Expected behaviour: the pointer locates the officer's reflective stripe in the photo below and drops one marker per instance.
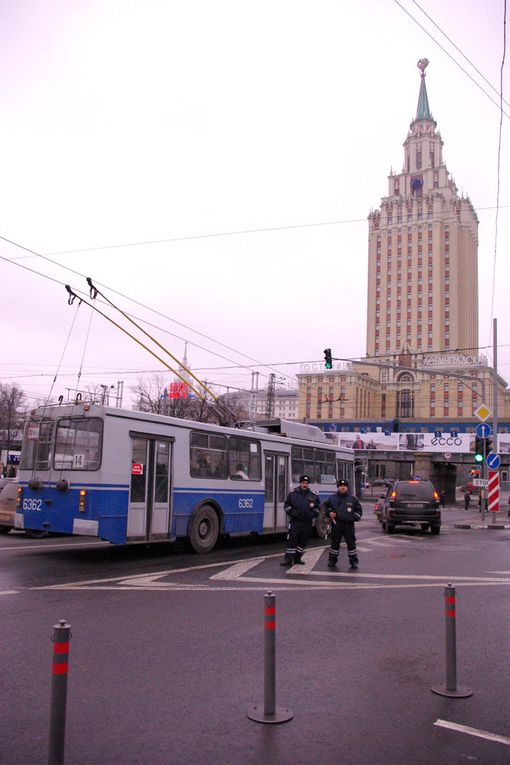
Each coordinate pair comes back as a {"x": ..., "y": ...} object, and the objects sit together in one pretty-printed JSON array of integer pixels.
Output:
[{"x": 60, "y": 665}]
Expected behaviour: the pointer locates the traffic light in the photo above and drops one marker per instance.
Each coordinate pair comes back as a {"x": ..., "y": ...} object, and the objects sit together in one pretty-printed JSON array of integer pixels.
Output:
[
  {"x": 488, "y": 445},
  {"x": 328, "y": 361},
  {"x": 479, "y": 449}
]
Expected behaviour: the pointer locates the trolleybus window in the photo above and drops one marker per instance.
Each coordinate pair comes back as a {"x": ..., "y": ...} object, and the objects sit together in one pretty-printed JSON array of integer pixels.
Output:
[
  {"x": 208, "y": 455},
  {"x": 78, "y": 443},
  {"x": 37, "y": 445},
  {"x": 244, "y": 459},
  {"x": 319, "y": 464},
  {"x": 162, "y": 463}
]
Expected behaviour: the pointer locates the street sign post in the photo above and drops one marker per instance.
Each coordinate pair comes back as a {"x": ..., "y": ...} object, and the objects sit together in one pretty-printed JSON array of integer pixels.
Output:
[
  {"x": 493, "y": 461},
  {"x": 481, "y": 482},
  {"x": 483, "y": 412},
  {"x": 483, "y": 430},
  {"x": 493, "y": 492}
]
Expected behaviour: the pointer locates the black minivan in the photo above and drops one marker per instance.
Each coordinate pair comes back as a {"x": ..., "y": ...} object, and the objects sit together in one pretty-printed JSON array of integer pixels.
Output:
[{"x": 411, "y": 503}]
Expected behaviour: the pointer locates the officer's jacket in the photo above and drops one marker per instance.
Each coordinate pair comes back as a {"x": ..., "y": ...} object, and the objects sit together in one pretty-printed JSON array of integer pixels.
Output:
[
  {"x": 346, "y": 506},
  {"x": 302, "y": 505}
]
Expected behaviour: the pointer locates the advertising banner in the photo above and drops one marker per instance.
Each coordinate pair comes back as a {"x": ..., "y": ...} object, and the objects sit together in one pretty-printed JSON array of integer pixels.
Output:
[{"x": 462, "y": 443}]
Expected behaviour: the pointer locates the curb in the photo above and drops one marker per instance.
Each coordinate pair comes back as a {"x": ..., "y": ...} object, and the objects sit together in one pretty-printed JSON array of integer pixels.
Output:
[{"x": 482, "y": 526}]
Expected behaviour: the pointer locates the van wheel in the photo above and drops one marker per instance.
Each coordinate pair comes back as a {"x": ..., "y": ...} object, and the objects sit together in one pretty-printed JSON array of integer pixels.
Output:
[
  {"x": 36, "y": 534},
  {"x": 5, "y": 529},
  {"x": 204, "y": 529},
  {"x": 435, "y": 529}
]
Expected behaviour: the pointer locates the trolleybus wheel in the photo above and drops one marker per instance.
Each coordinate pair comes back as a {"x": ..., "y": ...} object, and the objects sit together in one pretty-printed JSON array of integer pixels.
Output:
[
  {"x": 204, "y": 529},
  {"x": 321, "y": 525},
  {"x": 36, "y": 534}
]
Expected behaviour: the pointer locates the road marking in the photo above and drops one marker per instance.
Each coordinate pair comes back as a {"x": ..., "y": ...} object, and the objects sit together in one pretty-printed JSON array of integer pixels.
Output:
[
  {"x": 8, "y": 592},
  {"x": 462, "y": 579},
  {"x": 311, "y": 558},
  {"x": 473, "y": 732},
  {"x": 236, "y": 571}
]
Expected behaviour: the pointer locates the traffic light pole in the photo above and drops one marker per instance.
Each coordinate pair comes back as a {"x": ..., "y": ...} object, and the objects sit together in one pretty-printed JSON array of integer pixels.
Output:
[{"x": 483, "y": 490}]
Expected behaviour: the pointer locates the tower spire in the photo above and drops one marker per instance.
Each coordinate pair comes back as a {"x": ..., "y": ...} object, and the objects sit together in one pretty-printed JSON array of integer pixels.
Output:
[{"x": 423, "y": 110}]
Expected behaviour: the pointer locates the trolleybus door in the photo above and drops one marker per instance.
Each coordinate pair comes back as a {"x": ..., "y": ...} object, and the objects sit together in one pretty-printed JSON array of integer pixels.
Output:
[
  {"x": 149, "y": 499},
  {"x": 275, "y": 490}
]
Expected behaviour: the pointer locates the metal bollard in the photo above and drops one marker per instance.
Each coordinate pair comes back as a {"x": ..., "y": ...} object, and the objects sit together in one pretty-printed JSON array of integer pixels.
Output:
[
  {"x": 60, "y": 665},
  {"x": 451, "y": 689},
  {"x": 271, "y": 713}
]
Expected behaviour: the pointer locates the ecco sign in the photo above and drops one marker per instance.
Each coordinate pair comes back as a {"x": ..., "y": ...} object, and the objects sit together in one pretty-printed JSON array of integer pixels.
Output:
[{"x": 449, "y": 441}]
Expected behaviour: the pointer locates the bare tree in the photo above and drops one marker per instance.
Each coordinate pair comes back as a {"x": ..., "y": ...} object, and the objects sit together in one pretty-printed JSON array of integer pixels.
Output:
[
  {"x": 152, "y": 396},
  {"x": 12, "y": 415}
]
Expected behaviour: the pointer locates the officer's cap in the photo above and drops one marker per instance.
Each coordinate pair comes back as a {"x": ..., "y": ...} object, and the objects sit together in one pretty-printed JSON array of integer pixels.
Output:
[
  {"x": 342, "y": 482},
  {"x": 304, "y": 478}
]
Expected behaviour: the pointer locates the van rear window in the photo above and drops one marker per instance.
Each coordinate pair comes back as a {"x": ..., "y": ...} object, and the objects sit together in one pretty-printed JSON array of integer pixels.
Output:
[{"x": 415, "y": 490}]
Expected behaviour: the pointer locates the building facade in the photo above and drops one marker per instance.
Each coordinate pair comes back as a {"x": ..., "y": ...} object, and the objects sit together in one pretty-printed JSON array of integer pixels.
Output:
[
  {"x": 422, "y": 371},
  {"x": 422, "y": 257}
]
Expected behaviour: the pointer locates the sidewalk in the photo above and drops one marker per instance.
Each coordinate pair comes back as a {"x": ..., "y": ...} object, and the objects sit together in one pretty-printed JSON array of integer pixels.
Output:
[{"x": 472, "y": 519}]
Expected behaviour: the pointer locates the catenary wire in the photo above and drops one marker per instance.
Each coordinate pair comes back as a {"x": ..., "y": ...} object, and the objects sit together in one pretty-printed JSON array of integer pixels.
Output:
[
  {"x": 449, "y": 55},
  {"x": 459, "y": 50}
]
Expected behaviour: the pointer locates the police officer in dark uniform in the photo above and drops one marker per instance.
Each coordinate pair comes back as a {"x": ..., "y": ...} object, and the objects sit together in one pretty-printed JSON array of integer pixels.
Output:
[
  {"x": 343, "y": 511},
  {"x": 302, "y": 506}
]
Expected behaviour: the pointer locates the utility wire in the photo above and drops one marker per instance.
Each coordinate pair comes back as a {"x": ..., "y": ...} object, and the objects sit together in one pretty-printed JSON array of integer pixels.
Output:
[
  {"x": 459, "y": 50},
  {"x": 498, "y": 170},
  {"x": 153, "y": 310},
  {"x": 214, "y": 235},
  {"x": 450, "y": 56}
]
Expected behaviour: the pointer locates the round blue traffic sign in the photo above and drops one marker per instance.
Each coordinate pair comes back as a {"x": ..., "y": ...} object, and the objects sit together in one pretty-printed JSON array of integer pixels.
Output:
[
  {"x": 493, "y": 461},
  {"x": 483, "y": 430}
]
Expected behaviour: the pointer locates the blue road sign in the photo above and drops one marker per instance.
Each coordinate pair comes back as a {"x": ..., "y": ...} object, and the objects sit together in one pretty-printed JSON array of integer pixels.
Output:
[
  {"x": 438, "y": 433},
  {"x": 483, "y": 430},
  {"x": 493, "y": 461}
]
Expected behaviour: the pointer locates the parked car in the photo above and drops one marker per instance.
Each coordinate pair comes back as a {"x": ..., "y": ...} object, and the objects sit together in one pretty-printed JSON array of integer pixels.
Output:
[
  {"x": 471, "y": 488},
  {"x": 8, "y": 503},
  {"x": 8, "y": 499},
  {"x": 378, "y": 508},
  {"x": 414, "y": 503}
]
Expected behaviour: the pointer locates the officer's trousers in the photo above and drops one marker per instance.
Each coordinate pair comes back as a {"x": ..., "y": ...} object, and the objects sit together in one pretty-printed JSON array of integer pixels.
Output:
[
  {"x": 299, "y": 533},
  {"x": 343, "y": 530}
]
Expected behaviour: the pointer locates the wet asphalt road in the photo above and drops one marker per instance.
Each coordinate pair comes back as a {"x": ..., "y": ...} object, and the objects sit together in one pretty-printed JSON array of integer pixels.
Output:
[{"x": 167, "y": 650}]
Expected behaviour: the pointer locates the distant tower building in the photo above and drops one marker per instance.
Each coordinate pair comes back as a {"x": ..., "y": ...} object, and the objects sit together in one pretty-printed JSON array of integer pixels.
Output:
[{"x": 423, "y": 246}]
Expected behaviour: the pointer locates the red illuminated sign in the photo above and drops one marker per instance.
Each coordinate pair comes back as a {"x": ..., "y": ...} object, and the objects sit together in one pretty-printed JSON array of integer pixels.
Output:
[
  {"x": 178, "y": 390},
  {"x": 136, "y": 468}
]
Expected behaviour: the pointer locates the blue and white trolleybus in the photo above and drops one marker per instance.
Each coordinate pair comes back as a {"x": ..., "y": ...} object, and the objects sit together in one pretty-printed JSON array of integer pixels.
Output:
[{"x": 128, "y": 476}]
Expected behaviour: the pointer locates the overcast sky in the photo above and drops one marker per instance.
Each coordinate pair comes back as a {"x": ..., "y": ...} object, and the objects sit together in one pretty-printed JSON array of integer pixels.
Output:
[{"x": 129, "y": 123}]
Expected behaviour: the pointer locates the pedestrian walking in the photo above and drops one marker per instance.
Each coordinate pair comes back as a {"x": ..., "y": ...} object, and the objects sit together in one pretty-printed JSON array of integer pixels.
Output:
[
  {"x": 344, "y": 510},
  {"x": 467, "y": 499},
  {"x": 442, "y": 497},
  {"x": 509, "y": 507},
  {"x": 301, "y": 506}
]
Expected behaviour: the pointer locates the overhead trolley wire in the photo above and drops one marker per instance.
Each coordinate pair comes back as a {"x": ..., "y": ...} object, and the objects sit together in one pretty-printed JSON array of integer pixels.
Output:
[
  {"x": 142, "y": 305},
  {"x": 449, "y": 55}
]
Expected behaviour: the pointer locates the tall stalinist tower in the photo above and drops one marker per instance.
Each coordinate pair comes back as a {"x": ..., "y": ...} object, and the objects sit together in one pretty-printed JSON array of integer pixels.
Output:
[{"x": 422, "y": 260}]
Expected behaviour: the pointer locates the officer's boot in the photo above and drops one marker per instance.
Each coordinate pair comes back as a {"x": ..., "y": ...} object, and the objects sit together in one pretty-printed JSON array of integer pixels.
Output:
[
  {"x": 353, "y": 561},
  {"x": 332, "y": 560},
  {"x": 298, "y": 556},
  {"x": 287, "y": 561}
]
